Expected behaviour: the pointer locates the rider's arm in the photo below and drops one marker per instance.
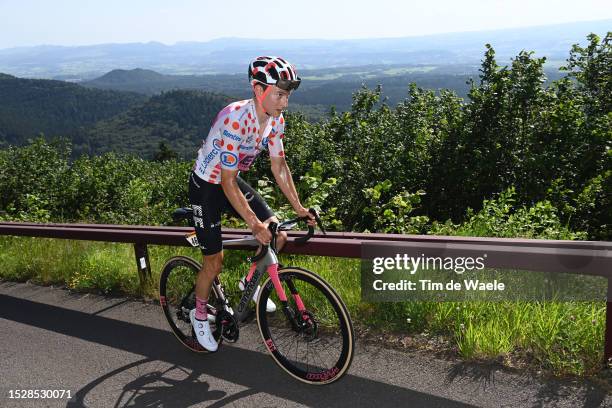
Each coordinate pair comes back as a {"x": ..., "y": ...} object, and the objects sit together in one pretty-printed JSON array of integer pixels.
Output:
[
  {"x": 282, "y": 174},
  {"x": 241, "y": 205},
  {"x": 280, "y": 169},
  {"x": 283, "y": 177}
]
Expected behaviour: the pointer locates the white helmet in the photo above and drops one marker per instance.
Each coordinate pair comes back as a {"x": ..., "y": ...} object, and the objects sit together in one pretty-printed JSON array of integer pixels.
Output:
[{"x": 274, "y": 71}]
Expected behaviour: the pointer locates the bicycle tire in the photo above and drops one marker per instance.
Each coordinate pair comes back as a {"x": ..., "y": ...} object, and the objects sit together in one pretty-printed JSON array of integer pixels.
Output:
[
  {"x": 325, "y": 308},
  {"x": 177, "y": 297}
]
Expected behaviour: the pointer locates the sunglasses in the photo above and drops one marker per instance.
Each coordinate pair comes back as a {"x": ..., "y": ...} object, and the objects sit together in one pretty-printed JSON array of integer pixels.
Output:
[{"x": 288, "y": 84}]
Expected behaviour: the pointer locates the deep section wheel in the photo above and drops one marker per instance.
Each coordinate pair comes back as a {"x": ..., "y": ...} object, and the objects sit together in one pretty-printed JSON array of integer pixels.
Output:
[{"x": 311, "y": 337}]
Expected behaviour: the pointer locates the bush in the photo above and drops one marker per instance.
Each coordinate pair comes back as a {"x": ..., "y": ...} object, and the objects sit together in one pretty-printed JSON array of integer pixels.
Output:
[
  {"x": 382, "y": 168},
  {"x": 501, "y": 217}
]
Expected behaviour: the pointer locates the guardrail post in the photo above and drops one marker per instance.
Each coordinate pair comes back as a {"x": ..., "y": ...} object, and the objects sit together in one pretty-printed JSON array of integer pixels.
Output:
[
  {"x": 608, "y": 339},
  {"x": 143, "y": 264}
]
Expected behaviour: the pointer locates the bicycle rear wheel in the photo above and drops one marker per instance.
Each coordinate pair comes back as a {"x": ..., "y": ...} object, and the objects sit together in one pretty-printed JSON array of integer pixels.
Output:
[
  {"x": 177, "y": 298},
  {"x": 315, "y": 346}
]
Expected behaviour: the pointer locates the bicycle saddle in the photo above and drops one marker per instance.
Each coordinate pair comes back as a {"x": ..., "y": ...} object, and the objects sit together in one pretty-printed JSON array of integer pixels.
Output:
[{"x": 184, "y": 213}]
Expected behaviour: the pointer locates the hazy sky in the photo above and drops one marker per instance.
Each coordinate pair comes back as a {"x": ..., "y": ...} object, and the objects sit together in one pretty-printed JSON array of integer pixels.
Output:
[{"x": 79, "y": 22}]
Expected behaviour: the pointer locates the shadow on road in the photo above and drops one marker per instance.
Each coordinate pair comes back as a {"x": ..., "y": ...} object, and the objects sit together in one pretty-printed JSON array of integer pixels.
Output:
[
  {"x": 234, "y": 365},
  {"x": 153, "y": 389}
]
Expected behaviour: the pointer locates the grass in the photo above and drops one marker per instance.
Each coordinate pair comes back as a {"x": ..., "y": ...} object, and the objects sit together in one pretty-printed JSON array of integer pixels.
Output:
[{"x": 563, "y": 338}]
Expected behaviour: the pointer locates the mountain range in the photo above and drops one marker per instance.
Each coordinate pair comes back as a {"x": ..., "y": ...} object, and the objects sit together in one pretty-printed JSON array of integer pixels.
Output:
[
  {"x": 231, "y": 55},
  {"x": 134, "y": 110},
  {"x": 320, "y": 89}
]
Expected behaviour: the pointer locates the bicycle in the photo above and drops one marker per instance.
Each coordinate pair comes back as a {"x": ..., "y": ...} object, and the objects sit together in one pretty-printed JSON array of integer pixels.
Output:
[{"x": 313, "y": 324}]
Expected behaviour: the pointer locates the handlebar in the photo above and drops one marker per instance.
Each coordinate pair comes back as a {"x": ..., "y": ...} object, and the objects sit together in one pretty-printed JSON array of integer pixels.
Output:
[
  {"x": 310, "y": 234},
  {"x": 287, "y": 225}
]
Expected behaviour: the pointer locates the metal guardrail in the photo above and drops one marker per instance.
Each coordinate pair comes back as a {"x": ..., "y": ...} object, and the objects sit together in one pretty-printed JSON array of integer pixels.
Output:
[{"x": 578, "y": 257}]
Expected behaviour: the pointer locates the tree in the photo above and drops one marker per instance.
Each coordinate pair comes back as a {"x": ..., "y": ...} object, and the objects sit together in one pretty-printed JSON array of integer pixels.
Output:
[{"x": 165, "y": 153}]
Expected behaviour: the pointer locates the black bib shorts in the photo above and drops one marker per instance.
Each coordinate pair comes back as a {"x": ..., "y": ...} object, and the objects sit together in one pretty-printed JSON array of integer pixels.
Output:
[{"x": 209, "y": 202}]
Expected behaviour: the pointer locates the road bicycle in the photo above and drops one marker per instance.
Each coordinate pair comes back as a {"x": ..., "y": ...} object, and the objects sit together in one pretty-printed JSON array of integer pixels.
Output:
[{"x": 310, "y": 335}]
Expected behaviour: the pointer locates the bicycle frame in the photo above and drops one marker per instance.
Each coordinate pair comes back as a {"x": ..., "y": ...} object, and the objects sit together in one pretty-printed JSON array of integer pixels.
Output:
[{"x": 267, "y": 264}]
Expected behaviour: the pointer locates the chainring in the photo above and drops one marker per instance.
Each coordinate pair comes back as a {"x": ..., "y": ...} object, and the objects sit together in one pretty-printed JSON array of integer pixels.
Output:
[{"x": 229, "y": 326}]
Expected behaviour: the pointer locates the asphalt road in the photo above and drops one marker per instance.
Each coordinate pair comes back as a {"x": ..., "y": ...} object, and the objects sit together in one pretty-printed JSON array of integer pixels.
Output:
[{"x": 114, "y": 352}]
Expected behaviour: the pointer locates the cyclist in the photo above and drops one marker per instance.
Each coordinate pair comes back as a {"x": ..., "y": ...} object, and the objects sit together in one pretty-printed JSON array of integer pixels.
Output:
[{"x": 238, "y": 134}]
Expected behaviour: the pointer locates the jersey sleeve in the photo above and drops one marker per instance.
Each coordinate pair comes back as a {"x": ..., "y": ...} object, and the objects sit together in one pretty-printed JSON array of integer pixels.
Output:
[
  {"x": 275, "y": 142},
  {"x": 230, "y": 142}
]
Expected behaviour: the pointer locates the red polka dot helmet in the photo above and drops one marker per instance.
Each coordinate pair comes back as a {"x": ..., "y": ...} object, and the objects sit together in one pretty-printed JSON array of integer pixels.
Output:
[{"x": 274, "y": 71}]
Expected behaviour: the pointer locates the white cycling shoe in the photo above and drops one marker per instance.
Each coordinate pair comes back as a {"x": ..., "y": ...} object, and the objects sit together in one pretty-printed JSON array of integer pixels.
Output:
[
  {"x": 203, "y": 332},
  {"x": 270, "y": 306}
]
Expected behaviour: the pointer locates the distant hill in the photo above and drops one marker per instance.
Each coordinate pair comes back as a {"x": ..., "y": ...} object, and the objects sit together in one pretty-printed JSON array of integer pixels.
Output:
[
  {"x": 181, "y": 118},
  {"x": 230, "y": 55},
  {"x": 319, "y": 90},
  {"x": 55, "y": 108},
  {"x": 149, "y": 82},
  {"x": 122, "y": 76},
  {"x": 98, "y": 121}
]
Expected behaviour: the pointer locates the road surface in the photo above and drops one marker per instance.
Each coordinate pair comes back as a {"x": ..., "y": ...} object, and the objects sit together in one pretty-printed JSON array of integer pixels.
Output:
[{"x": 117, "y": 352}]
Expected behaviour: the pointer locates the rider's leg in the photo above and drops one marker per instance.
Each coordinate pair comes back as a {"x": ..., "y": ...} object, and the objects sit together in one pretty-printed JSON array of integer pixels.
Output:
[
  {"x": 207, "y": 202},
  {"x": 211, "y": 268},
  {"x": 199, "y": 316}
]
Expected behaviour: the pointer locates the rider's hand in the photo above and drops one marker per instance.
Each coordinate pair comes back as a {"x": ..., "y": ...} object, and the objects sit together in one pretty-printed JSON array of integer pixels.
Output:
[
  {"x": 262, "y": 233},
  {"x": 303, "y": 212}
]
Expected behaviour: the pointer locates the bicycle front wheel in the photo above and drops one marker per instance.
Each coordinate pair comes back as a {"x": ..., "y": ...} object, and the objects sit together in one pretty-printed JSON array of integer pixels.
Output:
[
  {"x": 313, "y": 338},
  {"x": 177, "y": 298}
]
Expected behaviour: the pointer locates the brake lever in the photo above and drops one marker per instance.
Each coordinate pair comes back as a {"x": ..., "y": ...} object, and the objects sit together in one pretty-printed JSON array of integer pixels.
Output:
[
  {"x": 311, "y": 229},
  {"x": 317, "y": 219},
  {"x": 273, "y": 228}
]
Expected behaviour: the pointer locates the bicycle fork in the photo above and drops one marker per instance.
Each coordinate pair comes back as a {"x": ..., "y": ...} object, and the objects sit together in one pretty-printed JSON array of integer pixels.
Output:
[
  {"x": 305, "y": 318},
  {"x": 269, "y": 264}
]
